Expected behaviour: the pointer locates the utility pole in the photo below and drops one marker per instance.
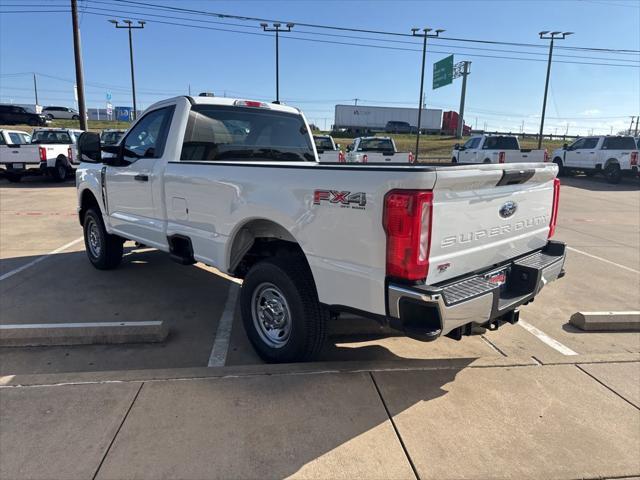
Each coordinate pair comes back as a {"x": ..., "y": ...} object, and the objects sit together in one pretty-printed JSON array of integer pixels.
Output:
[
  {"x": 546, "y": 35},
  {"x": 355, "y": 100},
  {"x": 128, "y": 24},
  {"x": 463, "y": 69},
  {"x": 189, "y": 89},
  {"x": 425, "y": 34},
  {"x": 277, "y": 28},
  {"x": 35, "y": 88},
  {"x": 77, "y": 51},
  {"x": 637, "y": 120}
]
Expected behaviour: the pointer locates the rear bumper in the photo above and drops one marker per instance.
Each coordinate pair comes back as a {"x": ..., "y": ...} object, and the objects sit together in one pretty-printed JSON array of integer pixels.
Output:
[
  {"x": 25, "y": 167},
  {"x": 426, "y": 312}
]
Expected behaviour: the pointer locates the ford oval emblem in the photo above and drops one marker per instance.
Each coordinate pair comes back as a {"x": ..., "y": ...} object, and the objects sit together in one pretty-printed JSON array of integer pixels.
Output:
[{"x": 508, "y": 209}]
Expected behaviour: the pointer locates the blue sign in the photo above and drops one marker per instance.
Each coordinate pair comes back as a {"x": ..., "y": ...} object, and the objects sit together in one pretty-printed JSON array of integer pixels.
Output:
[
  {"x": 109, "y": 96},
  {"x": 123, "y": 114}
]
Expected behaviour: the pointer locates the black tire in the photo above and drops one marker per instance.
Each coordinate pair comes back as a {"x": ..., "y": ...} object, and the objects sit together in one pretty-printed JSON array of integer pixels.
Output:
[
  {"x": 75, "y": 117},
  {"x": 590, "y": 173},
  {"x": 561, "y": 171},
  {"x": 307, "y": 319},
  {"x": 49, "y": 116},
  {"x": 13, "y": 177},
  {"x": 612, "y": 173},
  {"x": 60, "y": 171},
  {"x": 486, "y": 160},
  {"x": 109, "y": 254},
  {"x": 454, "y": 160}
]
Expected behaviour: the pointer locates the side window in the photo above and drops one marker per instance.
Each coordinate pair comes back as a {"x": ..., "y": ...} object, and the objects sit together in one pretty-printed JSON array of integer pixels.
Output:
[
  {"x": 2, "y": 142},
  {"x": 15, "y": 139},
  {"x": 147, "y": 139},
  {"x": 578, "y": 144},
  {"x": 591, "y": 143},
  {"x": 469, "y": 143}
]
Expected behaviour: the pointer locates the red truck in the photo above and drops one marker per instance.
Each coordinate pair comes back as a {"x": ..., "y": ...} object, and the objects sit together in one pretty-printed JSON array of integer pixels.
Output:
[{"x": 450, "y": 124}]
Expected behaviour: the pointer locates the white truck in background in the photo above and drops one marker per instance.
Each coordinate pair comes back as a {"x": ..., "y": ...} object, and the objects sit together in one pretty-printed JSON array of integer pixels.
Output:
[
  {"x": 328, "y": 150},
  {"x": 495, "y": 149},
  {"x": 52, "y": 151},
  {"x": 430, "y": 250},
  {"x": 613, "y": 156},
  {"x": 376, "y": 150}
]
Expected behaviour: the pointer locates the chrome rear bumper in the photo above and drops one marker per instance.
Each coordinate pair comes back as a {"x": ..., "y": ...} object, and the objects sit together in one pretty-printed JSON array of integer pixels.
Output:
[{"x": 426, "y": 312}]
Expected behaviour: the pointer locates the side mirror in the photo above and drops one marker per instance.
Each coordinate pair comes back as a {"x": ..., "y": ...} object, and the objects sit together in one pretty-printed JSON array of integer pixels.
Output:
[
  {"x": 338, "y": 146},
  {"x": 456, "y": 146},
  {"x": 349, "y": 148},
  {"x": 565, "y": 146},
  {"x": 89, "y": 148}
]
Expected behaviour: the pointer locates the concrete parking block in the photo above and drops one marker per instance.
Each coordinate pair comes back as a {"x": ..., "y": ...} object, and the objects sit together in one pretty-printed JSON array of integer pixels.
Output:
[
  {"x": 102, "y": 333},
  {"x": 606, "y": 321},
  {"x": 301, "y": 426},
  {"x": 516, "y": 423},
  {"x": 622, "y": 378},
  {"x": 59, "y": 432}
]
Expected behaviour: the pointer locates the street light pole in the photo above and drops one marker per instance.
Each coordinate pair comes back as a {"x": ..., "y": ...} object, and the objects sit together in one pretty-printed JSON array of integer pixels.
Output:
[
  {"x": 425, "y": 34},
  {"x": 77, "y": 51},
  {"x": 546, "y": 35},
  {"x": 277, "y": 28},
  {"x": 465, "y": 71},
  {"x": 129, "y": 25}
]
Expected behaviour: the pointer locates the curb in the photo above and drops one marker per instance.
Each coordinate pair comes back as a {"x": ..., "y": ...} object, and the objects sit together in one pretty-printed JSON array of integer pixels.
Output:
[{"x": 606, "y": 321}]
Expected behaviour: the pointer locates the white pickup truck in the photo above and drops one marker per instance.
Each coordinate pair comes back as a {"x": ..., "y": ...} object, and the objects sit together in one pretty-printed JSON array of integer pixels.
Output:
[
  {"x": 328, "y": 150},
  {"x": 613, "y": 156},
  {"x": 428, "y": 249},
  {"x": 376, "y": 150},
  {"x": 51, "y": 152},
  {"x": 495, "y": 149}
]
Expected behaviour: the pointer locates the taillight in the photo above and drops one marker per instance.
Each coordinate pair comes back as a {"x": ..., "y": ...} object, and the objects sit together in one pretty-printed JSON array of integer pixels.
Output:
[
  {"x": 554, "y": 208},
  {"x": 365, "y": 159},
  {"x": 501, "y": 157},
  {"x": 341, "y": 157},
  {"x": 407, "y": 223},
  {"x": 634, "y": 159},
  {"x": 250, "y": 103},
  {"x": 411, "y": 159},
  {"x": 546, "y": 155},
  {"x": 70, "y": 154},
  {"x": 43, "y": 154}
]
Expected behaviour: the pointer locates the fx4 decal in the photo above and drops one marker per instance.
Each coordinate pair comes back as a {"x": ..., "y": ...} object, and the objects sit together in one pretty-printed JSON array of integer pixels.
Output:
[{"x": 344, "y": 199}]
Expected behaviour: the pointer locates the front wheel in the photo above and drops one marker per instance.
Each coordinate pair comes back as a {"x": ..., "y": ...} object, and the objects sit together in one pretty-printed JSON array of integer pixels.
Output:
[
  {"x": 281, "y": 312},
  {"x": 561, "y": 170},
  {"x": 454, "y": 160},
  {"x": 104, "y": 250},
  {"x": 613, "y": 173}
]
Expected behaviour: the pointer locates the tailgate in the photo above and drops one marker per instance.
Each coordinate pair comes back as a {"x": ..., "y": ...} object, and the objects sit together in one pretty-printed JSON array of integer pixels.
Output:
[{"x": 486, "y": 214}]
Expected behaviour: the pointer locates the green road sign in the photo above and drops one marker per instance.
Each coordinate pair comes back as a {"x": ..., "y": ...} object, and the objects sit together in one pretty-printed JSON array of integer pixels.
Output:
[{"x": 443, "y": 72}]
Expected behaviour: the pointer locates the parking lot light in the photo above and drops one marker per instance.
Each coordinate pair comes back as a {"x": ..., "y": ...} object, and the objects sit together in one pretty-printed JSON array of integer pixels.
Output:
[
  {"x": 129, "y": 26},
  {"x": 551, "y": 36},
  {"x": 277, "y": 28}
]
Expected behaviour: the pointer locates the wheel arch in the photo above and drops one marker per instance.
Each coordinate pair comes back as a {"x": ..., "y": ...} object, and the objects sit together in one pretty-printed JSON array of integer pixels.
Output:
[
  {"x": 87, "y": 201},
  {"x": 611, "y": 161}
]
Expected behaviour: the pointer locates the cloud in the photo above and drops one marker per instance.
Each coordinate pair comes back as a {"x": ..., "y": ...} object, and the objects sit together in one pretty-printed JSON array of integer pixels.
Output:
[{"x": 591, "y": 112}]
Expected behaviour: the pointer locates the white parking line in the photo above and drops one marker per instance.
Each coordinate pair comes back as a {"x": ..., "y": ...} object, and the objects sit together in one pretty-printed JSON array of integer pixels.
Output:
[
  {"x": 603, "y": 260},
  {"x": 220, "y": 348},
  {"x": 39, "y": 259},
  {"x": 543, "y": 337}
]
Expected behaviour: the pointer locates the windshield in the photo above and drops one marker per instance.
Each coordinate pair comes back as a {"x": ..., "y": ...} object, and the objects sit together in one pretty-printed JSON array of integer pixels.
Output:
[
  {"x": 619, "y": 143},
  {"x": 111, "y": 138},
  {"x": 50, "y": 136},
  {"x": 244, "y": 133},
  {"x": 323, "y": 143},
  {"x": 501, "y": 143},
  {"x": 376, "y": 145}
]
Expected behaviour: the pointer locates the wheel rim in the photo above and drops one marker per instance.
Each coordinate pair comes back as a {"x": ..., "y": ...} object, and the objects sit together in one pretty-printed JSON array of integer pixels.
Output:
[
  {"x": 94, "y": 239},
  {"x": 271, "y": 315},
  {"x": 62, "y": 171}
]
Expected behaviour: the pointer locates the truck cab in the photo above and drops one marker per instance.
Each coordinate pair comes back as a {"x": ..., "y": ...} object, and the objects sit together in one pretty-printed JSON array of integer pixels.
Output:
[
  {"x": 495, "y": 149},
  {"x": 376, "y": 150}
]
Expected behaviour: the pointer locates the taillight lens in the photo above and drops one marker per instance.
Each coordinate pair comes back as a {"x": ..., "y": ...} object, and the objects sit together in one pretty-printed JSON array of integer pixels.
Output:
[
  {"x": 407, "y": 223},
  {"x": 411, "y": 158},
  {"x": 365, "y": 159},
  {"x": 43, "y": 154},
  {"x": 634, "y": 159},
  {"x": 554, "y": 208},
  {"x": 501, "y": 157},
  {"x": 340, "y": 157},
  {"x": 70, "y": 154},
  {"x": 546, "y": 155}
]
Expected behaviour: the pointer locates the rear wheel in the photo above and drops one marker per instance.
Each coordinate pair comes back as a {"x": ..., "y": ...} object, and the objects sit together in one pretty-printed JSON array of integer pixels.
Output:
[
  {"x": 13, "y": 177},
  {"x": 486, "y": 160},
  {"x": 281, "y": 312},
  {"x": 454, "y": 160},
  {"x": 612, "y": 173},
  {"x": 60, "y": 171},
  {"x": 104, "y": 250}
]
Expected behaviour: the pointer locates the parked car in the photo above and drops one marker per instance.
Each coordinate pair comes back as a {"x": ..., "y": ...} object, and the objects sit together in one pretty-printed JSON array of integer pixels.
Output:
[
  {"x": 14, "y": 137},
  {"x": 399, "y": 127},
  {"x": 328, "y": 151},
  {"x": 16, "y": 115},
  {"x": 52, "y": 151},
  {"x": 495, "y": 149},
  {"x": 376, "y": 150},
  {"x": 64, "y": 113},
  {"x": 430, "y": 250},
  {"x": 613, "y": 156},
  {"x": 111, "y": 136}
]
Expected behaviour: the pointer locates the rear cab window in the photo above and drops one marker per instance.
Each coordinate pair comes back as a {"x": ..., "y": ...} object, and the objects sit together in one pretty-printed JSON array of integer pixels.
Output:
[
  {"x": 51, "y": 137},
  {"x": 323, "y": 143},
  {"x": 501, "y": 143},
  {"x": 229, "y": 133},
  {"x": 376, "y": 145},
  {"x": 619, "y": 143}
]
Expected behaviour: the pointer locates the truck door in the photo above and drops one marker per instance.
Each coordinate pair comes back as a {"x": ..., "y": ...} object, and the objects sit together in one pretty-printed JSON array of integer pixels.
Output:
[
  {"x": 130, "y": 186},
  {"x": 573, "y": 155},
  {"x": 589, "y": 157},
  {"x": 468, "y": 155}
]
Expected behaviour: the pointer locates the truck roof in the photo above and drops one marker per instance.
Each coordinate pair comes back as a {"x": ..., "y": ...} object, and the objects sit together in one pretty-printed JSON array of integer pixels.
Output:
[
  {"x": 231, "y": 102},
  {"x": 373, "y": 136}
]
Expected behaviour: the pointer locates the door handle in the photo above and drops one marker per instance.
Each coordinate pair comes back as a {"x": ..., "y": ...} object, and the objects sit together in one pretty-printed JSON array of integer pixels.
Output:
[{"x": 141, "y": 178}]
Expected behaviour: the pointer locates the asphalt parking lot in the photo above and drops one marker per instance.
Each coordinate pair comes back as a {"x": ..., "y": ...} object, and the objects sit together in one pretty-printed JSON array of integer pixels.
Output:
[{"x": 391, "y": 390}]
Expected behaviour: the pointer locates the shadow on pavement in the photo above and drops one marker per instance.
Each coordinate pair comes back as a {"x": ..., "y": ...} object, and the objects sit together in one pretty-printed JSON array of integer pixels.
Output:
[
  {"x": 599, "y": 184},
  {"x": 37, "y": 181}
]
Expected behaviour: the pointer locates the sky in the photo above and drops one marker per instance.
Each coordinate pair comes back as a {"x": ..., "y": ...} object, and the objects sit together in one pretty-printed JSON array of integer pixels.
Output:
[{"x": 320, "y": 68}]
